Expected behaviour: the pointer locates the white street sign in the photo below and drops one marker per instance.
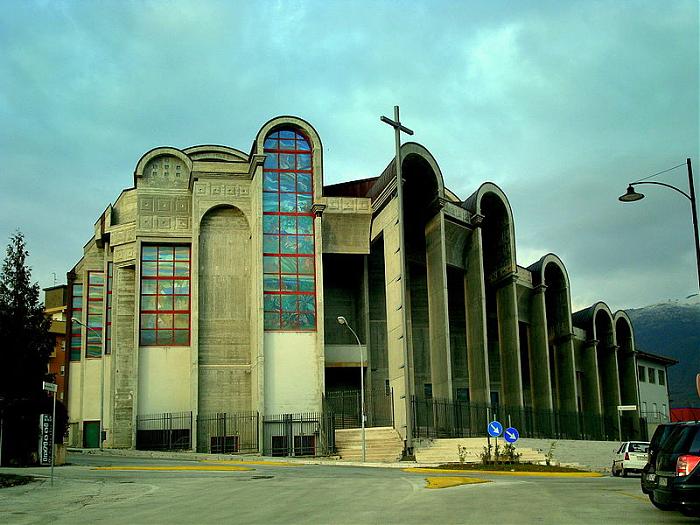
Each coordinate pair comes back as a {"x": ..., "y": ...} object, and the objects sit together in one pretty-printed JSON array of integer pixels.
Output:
[{"x": 50, "y": 387}]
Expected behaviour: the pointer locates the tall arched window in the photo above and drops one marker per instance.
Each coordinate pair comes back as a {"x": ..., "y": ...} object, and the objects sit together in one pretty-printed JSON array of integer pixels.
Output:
[{"x": 289, "y": 280}]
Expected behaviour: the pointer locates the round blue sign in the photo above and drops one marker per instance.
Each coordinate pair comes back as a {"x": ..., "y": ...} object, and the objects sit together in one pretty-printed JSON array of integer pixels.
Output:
[
  {"x": 511, "y": 435},
  {"x": 495, "y": 429}
]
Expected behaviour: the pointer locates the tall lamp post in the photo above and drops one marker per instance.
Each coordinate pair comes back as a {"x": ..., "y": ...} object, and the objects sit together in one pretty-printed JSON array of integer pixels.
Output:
[
  {"x": 631, "y": 195},
  {"x": 102, "y": 374},
  {"x": 343, "y": 321}
]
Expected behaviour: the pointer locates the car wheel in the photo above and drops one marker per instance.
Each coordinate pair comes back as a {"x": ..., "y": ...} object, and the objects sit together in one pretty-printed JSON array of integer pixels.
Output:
[
  {"x": 613, "y": 471},
  {"x": 660, "y": 506}
]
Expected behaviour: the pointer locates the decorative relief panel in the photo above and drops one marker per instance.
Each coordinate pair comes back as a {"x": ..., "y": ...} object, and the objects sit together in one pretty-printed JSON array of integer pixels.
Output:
[
  {"x": 124, "y": 252},
  {"x": 456, "y": 212},
  {"x": 122, "y": 235},
  {"x": 347, "y": 205},
  {"x": 164, "y": 213},
  {"x": 221, "y": 189},
  {"x": 166, "y": 171}
]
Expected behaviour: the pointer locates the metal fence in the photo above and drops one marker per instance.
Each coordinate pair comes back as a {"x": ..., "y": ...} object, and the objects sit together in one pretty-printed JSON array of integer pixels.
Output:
[
  {"x": 167, "y": 431},
  {"x": 307, "y": 434},
  {"x": 346, "y": 408},
  {"x": 225, "y": 433},
  {"x": 441, "y": 418}
]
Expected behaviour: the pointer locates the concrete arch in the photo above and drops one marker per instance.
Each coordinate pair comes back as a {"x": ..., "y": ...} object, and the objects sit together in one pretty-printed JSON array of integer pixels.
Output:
[
  {"x": 412, "y": 152},
  {"x": 215, "y": 152},
  {"x": 288, "y": 121},
  {"x": 627, "y": 371},
  {"x": 158, "y": 152},
  {"x": 224, "y": 299},
  {"x": 490, "y": 202},
  {"x": 216, "y": 205}
]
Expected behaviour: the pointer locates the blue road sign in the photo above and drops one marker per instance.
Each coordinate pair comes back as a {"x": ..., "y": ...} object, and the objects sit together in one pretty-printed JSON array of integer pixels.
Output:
[
  {"x": 495, "y": 429},
  {"x": 511, "y": 435}
]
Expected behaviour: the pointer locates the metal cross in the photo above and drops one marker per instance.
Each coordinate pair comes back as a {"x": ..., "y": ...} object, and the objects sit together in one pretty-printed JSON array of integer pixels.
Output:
[{"x": 398, "y": 128}]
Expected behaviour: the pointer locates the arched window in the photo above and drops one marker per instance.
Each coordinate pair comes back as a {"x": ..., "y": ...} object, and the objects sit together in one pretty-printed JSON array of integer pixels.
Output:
[{"x": 289, "y": 280}]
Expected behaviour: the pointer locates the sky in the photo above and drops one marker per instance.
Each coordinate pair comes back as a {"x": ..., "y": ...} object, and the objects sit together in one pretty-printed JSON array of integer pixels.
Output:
[{"x": 561, "y": 104}]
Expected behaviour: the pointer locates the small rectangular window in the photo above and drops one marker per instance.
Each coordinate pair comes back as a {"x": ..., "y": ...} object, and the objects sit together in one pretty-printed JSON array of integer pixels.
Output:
[
  {"x": 662, "y": 378},
  {"x": 642, "y": 374},
  {"x": 63, "y": 370},
  {"x": 428, "y": 390},
  {"x": 652, "y": 375}
]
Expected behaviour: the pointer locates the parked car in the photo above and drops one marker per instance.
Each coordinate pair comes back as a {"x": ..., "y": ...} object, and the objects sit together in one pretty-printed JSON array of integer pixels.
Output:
[
  {"x": 676, "y": 482},
  {"x": 630, "y": 457},
  {"x": 648, "y": 481}
]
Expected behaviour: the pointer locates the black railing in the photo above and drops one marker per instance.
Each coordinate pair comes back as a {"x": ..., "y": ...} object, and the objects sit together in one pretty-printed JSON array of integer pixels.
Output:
[
  {"x": 346, "y": 408},
  {"x": 307, "y": 434},
  {"x": 441, "y": 418},
  {"x": 167, "y": 431},
  {"x": 226, "y": 433}
]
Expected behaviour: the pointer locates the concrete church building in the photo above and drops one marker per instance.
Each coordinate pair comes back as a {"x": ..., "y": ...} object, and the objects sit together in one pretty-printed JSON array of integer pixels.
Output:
[{"x": 214, "y": 284}]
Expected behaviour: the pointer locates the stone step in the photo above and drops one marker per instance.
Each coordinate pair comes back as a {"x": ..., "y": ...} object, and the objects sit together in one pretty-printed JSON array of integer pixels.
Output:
[{"x": 382, "y": 444}]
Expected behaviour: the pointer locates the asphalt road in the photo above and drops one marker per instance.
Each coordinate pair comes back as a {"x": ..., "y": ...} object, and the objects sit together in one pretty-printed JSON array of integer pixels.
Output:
[{"x": 85, "y": 492}]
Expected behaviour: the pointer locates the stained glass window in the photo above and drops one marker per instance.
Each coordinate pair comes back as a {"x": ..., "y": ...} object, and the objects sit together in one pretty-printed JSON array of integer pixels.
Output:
[
  {"x": 95, "y": 305},
  {"x": 165, "y": 296},
  {"x": 289, "y": 280},
  {"x": 76, "y": 329}
]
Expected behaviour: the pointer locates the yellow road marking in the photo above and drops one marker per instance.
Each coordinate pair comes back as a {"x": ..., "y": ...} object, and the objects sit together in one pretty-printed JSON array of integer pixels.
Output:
[
  {"x": 220, "y": 468},
  {"x": 252, "y": 462},
  {"x": 506, "y": 473},
  {"x": 444, "y": 482}
]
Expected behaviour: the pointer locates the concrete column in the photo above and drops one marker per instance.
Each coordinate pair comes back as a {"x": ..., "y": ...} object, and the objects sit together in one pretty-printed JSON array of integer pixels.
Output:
[
  {"x": 627, "y": 368},
  {"x": 592, "y": 403},
  {"x": 124, "y": 356},
  {"x": 439, "y": 323},
  {"x": 508, "y": 342},
  {"x": 565, "y": 396},
  {"x": 610, "y": 386},
  {"x": 400, "y": 372},
  {"x": 475, "y": 307},
  {"x": 540, "y": 374}
]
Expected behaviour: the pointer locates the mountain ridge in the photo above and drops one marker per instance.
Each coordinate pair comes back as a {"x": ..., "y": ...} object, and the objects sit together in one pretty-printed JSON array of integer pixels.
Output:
[{"x": 672, "y": 329}]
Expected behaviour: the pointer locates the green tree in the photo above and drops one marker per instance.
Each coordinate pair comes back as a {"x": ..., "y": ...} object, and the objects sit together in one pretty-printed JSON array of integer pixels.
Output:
[{"x": 25, "y": 346}]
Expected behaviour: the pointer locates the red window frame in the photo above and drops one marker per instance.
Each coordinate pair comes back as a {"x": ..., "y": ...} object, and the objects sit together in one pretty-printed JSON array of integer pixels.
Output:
[
  {"x": 274, "y": 319},
  {"x": 76, "y": 329},
  {"x": 179, "y": 336},
  {"x": 108, "y": 310},
  {"x": 95, "y": 332}
]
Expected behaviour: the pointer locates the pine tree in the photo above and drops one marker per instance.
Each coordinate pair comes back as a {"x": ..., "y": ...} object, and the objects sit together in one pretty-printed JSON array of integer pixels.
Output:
[{"x": 25, "y": 346}]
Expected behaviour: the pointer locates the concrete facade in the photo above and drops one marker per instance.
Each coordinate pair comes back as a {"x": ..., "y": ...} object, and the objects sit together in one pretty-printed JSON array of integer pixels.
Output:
[{"x": 198, "y": 310}]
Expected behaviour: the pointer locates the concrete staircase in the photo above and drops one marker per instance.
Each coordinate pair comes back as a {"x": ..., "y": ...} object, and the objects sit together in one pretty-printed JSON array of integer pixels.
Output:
[
  {"x": 438, "y": 451},
  {"x": 591, "y": 455},
  {"x": 383, "y": 444}
]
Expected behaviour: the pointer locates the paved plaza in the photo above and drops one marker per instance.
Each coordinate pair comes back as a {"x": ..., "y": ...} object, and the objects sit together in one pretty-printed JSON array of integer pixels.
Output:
[{"x": 103, "y": 489}]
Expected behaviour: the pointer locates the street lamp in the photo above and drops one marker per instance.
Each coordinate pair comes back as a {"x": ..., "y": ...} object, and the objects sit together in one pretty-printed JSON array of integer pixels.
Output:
[
  {"x": 631, "y": 195},
  {"x": 343, "y": 321},
  {"x": 102, "y": 374}
]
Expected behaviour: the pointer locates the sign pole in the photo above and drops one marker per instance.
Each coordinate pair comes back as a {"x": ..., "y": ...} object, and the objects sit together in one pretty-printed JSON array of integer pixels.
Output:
[{"x": 53, "y": 435}]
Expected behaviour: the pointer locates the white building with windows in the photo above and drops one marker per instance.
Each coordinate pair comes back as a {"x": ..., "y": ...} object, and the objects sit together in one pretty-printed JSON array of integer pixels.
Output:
[{"x": 652, "y": 370}]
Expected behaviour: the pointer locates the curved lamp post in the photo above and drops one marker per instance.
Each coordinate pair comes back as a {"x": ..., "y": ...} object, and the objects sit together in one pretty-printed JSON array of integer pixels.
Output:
[
  {"x": 102, "y": 378},
  {"x": 631, "y": 195},
  {"x": 343, "y": 321}
]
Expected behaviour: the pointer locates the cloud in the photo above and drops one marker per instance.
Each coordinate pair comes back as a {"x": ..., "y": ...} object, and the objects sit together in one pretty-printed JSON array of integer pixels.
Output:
[{"x": 560, "y": 103}]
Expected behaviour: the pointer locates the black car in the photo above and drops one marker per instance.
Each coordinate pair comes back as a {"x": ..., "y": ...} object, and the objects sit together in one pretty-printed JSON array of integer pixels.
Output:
[
  {"x": 649, "y": 471},
  {"x": 676, "y": 463}
]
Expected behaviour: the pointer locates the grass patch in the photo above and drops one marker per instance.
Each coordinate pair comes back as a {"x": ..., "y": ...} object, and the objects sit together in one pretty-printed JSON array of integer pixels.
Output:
[
  {"x": 508, "y": 467},
  {"x": 11, "y": 480}
]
